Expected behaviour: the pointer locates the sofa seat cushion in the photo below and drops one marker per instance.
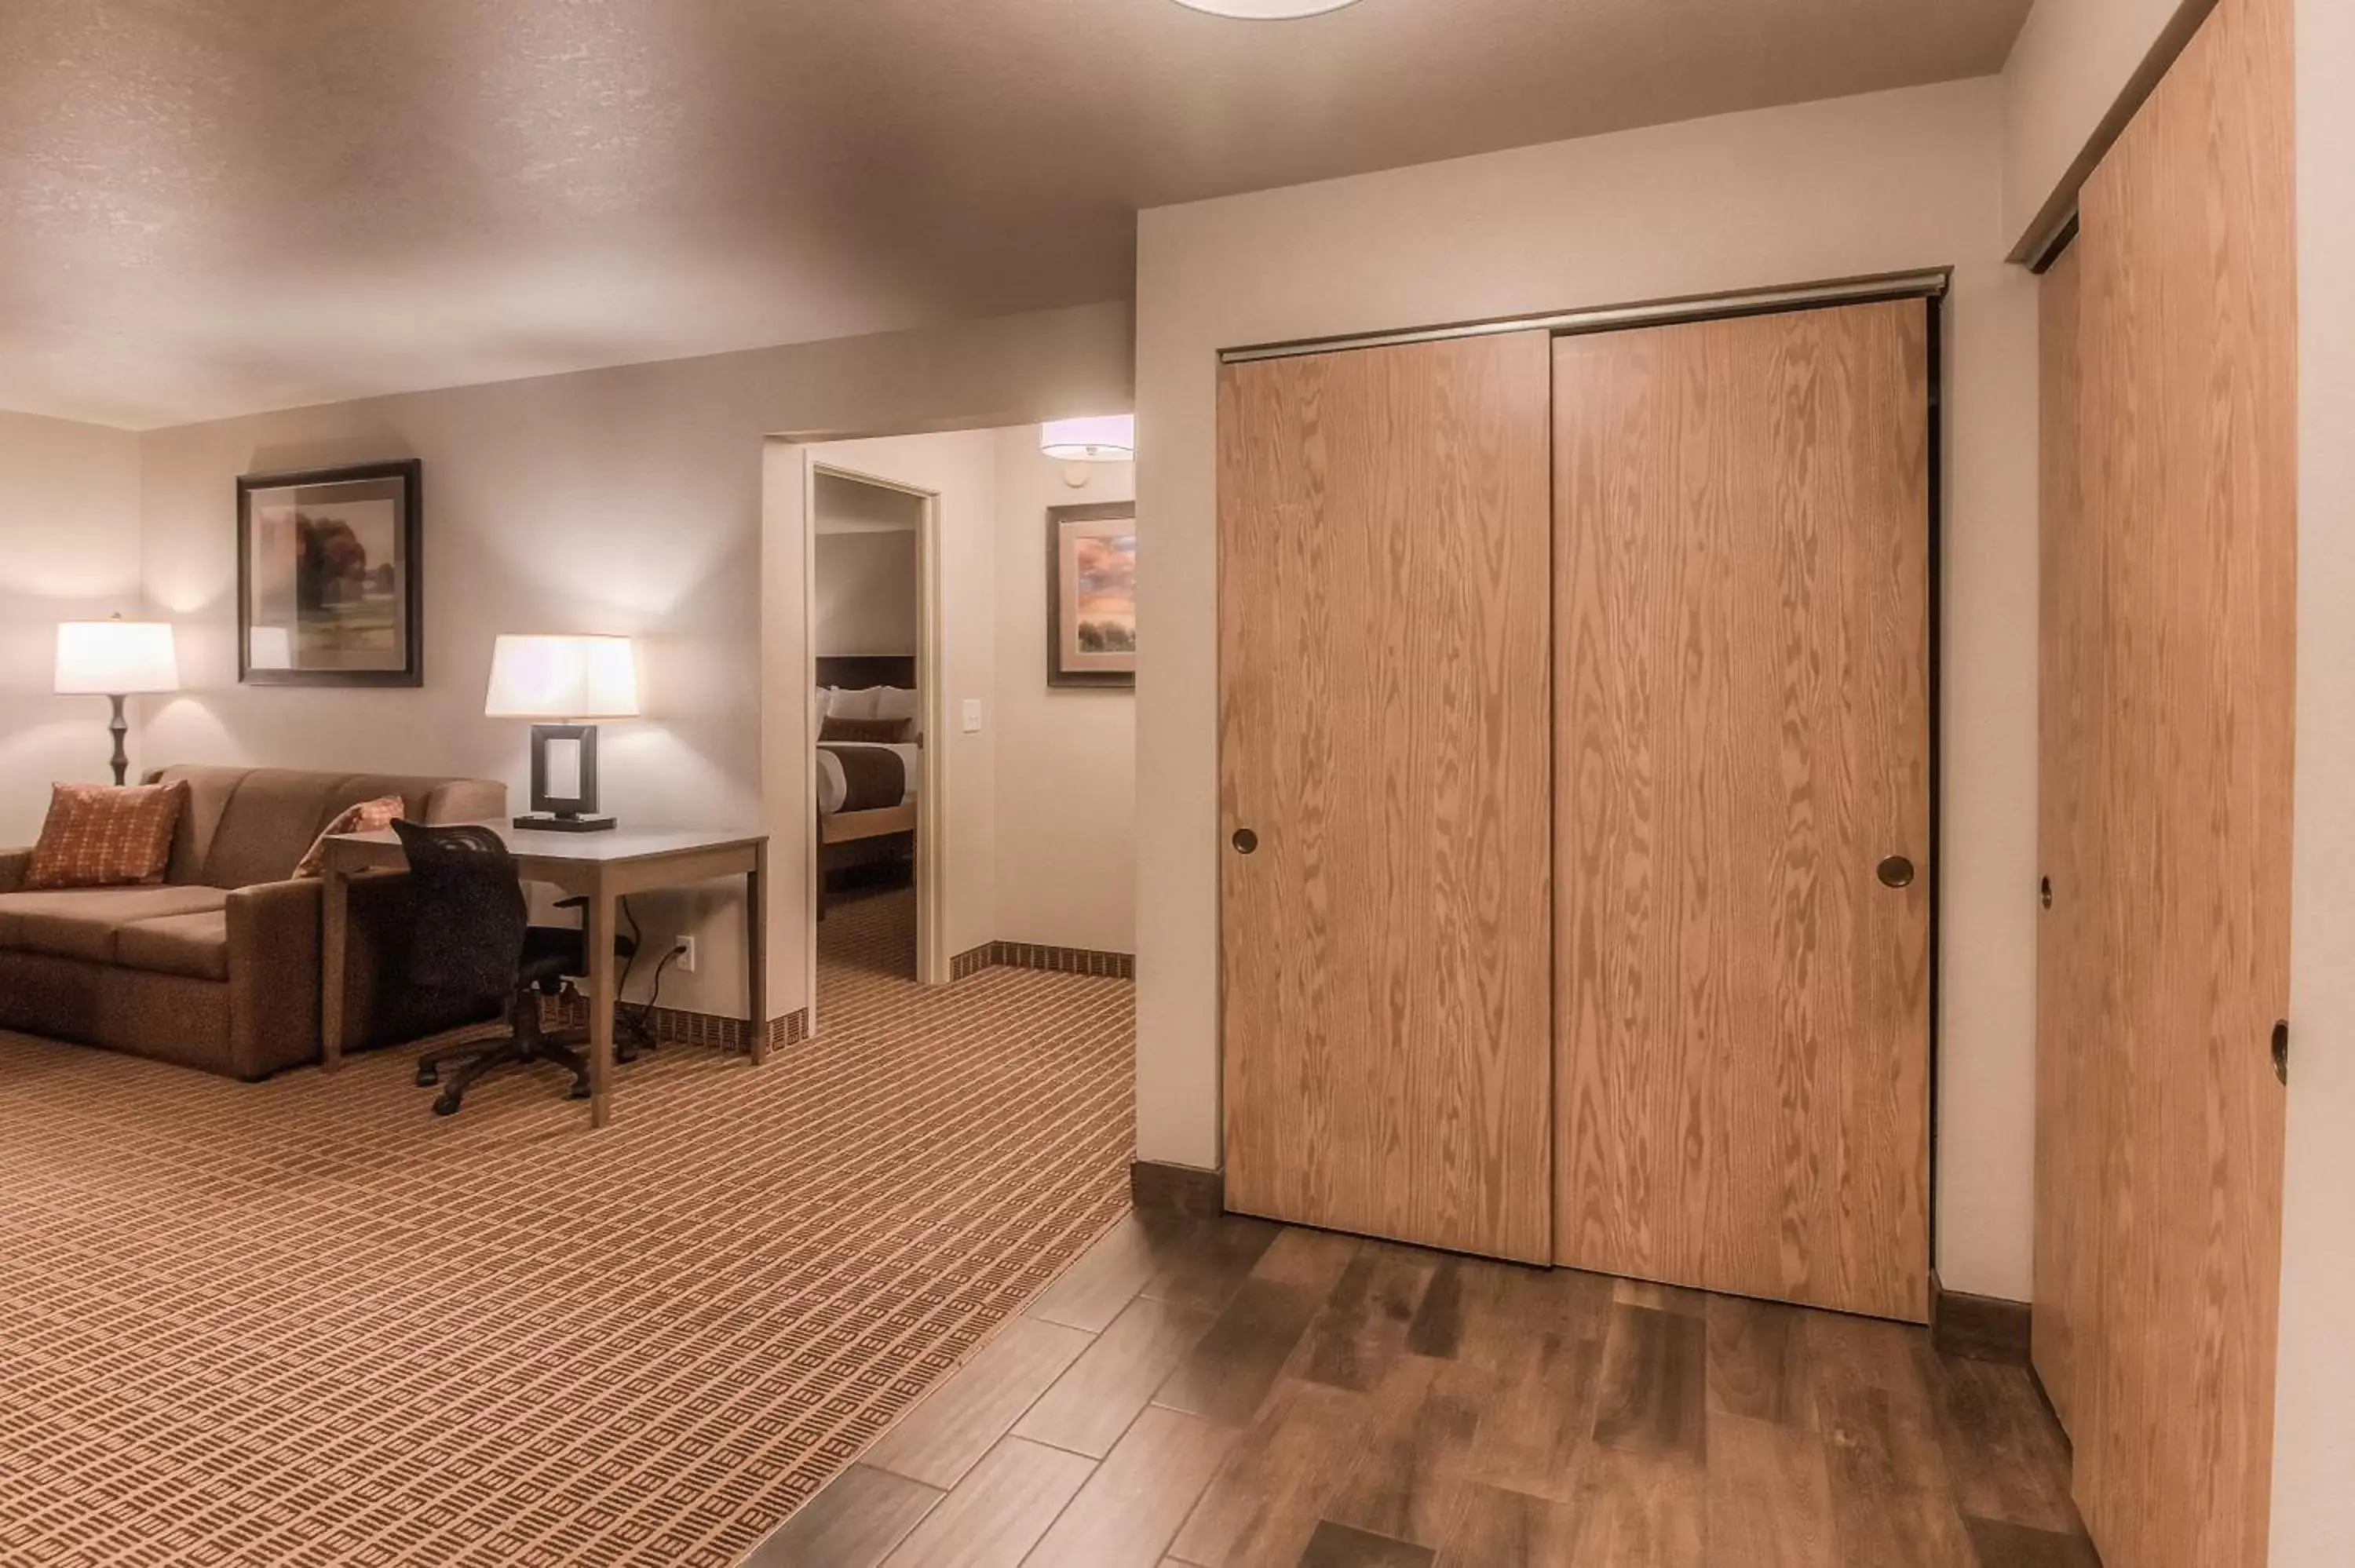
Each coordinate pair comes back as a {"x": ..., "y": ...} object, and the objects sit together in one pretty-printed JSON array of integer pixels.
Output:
[
  {"x": 195, "y": 946},
  {"x": 87, "y": 923}
]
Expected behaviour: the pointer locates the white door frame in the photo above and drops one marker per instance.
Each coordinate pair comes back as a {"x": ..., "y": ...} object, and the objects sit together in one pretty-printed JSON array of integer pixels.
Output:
[{"x": 932, "y": 815}]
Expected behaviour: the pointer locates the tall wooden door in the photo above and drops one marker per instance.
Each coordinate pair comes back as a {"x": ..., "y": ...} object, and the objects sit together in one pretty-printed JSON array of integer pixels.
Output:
[
  {"x": 1743, "y": 756},
  {"x": 1384, "y": 609},
  {"x": 2071, "y": 699},
  {"x": 2188, "y": 424}
]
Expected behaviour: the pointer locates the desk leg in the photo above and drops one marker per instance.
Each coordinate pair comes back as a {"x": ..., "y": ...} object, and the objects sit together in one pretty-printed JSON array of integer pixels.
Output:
[
  {"x": 335, "y": 912},
  {"x": 599, "y": 918},
  {"x": 756, "y": 951}
]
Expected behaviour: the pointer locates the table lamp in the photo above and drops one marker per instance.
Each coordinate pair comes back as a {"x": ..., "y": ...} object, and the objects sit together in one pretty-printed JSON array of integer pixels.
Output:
[
  {"x": 116, "y": 659},
  {"x": 564, "y": 682}
]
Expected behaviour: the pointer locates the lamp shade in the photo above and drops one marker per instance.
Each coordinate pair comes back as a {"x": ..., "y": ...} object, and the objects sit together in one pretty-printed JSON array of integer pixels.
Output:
[
  {"x": 562, "y": 678},
  {"x": 116, "y": 658},
  {"x": 1101, "y": 437}
]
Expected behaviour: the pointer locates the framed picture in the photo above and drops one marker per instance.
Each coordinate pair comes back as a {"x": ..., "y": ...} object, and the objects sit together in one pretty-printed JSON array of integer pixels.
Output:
[
  {"x": 328, "y": 592},
  {"x": 1092, "y": 595}
]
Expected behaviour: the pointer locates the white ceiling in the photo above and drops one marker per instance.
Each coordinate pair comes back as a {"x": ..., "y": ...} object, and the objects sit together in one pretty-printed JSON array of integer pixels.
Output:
[{"x": 213, "y": 207}]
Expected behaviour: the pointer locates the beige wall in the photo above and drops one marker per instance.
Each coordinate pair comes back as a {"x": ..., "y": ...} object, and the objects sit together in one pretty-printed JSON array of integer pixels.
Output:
[
  {"x": 68, "y": 550},
  {"x": 2071, "y": 65},
  {"x": 1855, "y": 186},
  {"x": 1065, "y": 755},
  {"x": 2314, "y": 1448},
  {"x": 625, "y": 500},
  {"x": 864, "y": 600}
]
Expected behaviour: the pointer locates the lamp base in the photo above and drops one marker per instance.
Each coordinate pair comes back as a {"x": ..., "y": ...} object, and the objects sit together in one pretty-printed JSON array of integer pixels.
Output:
[{"x": 551, "y": 822}]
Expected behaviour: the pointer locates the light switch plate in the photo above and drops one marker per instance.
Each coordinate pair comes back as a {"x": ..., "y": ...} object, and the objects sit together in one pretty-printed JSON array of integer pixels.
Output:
[{"x": 972, "y": 715}]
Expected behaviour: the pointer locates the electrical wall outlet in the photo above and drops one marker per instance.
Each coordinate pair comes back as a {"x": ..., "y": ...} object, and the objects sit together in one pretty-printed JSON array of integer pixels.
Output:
[{"x": 685, "y": 949}]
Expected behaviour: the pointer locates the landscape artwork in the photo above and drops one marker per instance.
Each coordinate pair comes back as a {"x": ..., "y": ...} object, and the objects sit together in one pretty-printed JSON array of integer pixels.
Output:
[
  {"x": 1092, "y": 595},
  {"x": 327, "y": 577}
]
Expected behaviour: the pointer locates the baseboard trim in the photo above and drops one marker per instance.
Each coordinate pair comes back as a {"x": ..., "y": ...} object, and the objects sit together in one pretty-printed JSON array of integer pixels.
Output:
[
  {"x": 678, "y": 1026},
  {"x": 1093, "y": 961},
  {"x": 1177, "y": 1188},
  {"x": 1978, "y": 1328}
]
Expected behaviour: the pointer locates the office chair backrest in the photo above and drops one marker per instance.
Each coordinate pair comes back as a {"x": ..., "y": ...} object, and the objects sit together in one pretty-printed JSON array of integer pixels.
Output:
[{"x": 467, "y": 911}]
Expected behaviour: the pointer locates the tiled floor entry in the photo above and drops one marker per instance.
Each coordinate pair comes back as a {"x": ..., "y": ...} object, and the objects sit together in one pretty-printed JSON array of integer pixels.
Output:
[
  {"x": 1229, "y": 1392},
  {"x": 305, "y": 1322}
]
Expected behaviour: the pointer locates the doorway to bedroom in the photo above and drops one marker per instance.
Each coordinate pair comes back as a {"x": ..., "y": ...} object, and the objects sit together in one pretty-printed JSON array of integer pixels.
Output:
[{"x": 877, "y": 877}]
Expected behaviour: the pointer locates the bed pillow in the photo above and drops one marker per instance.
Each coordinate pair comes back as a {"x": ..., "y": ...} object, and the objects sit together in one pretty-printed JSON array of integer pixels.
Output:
[
  {"x": 899, "y": 703},
  {"x": 106, "y": 835},
  {"x": 886, "y": 732},
  {"x": 368, "y": 817},
  {"x": 850, "y": 704}
]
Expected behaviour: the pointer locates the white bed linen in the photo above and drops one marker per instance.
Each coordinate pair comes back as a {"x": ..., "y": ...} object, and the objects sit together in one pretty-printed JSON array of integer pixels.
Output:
[{"x": 831, "y": 787}]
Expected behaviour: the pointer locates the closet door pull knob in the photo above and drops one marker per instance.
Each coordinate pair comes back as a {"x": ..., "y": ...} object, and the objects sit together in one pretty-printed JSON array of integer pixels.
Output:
[
  {"x": 1245, "y": 841},
  {"x": 1895, "y": 871}
]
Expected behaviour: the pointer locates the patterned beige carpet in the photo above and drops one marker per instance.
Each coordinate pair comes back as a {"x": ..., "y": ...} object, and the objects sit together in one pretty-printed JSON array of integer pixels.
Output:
[{"x": 305, "y": 1322}]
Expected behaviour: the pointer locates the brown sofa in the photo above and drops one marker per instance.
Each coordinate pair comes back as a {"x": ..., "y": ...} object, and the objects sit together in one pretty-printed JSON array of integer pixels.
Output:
[{"x": 219, "y": 966}]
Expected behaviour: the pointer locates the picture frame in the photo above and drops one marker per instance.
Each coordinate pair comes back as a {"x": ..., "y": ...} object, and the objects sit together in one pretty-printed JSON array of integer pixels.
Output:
[
  {"x": 1092, "y": 595},
  {"x": 330, "y": 586}
]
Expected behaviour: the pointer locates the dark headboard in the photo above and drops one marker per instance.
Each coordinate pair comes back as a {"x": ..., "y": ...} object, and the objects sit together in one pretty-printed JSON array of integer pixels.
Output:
[{"x": 857, "y": 671}]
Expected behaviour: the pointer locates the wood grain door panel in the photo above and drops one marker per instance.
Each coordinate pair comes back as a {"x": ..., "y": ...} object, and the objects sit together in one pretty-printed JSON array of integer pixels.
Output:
[
  {"x": 2071, "y": 693},
  {"x": 1742, "y": 734},
  {"x": 2188, "y": 424},
  {"x": 1384, "y": 618}
]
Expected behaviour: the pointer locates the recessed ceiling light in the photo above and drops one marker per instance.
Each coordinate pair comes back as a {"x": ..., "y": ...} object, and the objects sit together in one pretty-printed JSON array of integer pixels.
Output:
[{"x": 1265, "y": 10}]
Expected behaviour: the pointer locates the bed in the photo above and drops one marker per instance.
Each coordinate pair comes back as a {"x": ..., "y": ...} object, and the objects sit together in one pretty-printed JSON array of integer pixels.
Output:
[{"x": 866, "y": 788}]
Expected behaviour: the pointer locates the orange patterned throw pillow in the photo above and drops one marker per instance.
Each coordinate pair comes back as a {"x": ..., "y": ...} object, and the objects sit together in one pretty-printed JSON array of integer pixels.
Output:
[
  {"x": 106, "y": 835},
  {"x": 368, "y": 817}
]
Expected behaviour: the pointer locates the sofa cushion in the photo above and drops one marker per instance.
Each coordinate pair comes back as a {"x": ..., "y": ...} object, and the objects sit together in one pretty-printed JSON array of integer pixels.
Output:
[
  {"x": 195, "y": 946},
  {"x": 99, "y": 836},
  {"x": 84, "y": 922}
]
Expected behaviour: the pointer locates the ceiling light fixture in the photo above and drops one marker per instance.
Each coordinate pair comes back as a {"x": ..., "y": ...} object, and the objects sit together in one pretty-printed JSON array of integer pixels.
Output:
[{"x": 1265, "y": 10}]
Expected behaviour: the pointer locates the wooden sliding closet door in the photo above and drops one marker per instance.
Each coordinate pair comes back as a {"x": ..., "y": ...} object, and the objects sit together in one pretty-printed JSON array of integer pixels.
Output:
[
  {"x": 2072, "y": 701},
  {"x": 2188, "y": 422},
  {"x": 1384, "y": 609},
  {"x": 1743, "y": 752}
]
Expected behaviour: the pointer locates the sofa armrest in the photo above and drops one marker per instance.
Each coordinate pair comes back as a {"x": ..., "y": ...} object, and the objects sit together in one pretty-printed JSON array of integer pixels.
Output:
[
  {"x": 273, "y": 976},
  {"x": 14, "y": 864}
]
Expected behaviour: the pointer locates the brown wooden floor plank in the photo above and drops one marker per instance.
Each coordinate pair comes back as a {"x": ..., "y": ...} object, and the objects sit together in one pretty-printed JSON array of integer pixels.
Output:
[
  {"x": 1233, "y": 1366},
  {"x": 1408, "y": 1479},
  {"x": 1362, "y": 1327},
  {"x": 853, "y": 1522},
  {"x": 1538, "y": 1413},
  {"x": 1206, "y": 1267},
  {"x": 997, "y": 1514},
  {"x": 1638, "y": 1510},
  {"x": 1503, "y": 1529},
  {"x": 945, "y": 1435},
  {"x": 1267, "y": 1498},
  {"x": 1654, "y": 1384},
  {"x": 1103, "y": 1279},
  {"x": 1890, "y": 1497},
  {"x": 2004, "y": 1458},
  {"x": 1758, "y": 1361},
  {"x": 1769, "y": 1497},
  {"x": 2003, "y": 1546},
  {"x": 1339, "y": 1546},
  {"x": 1131, "y": 1507},
  {"x": 1314, "y": 1259},
  {"x": 1092, "y": 1403}
]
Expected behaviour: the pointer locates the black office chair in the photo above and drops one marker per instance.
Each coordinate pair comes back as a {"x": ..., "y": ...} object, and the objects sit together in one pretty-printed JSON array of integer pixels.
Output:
[{"x": 475, "y": 953}]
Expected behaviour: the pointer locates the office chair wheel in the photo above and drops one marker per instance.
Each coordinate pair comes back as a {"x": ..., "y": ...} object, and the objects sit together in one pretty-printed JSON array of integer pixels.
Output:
[
  {"x": 427, "y": 1077},
  {"x": 446, "y": 1103},
  {"x": 580, "y": 1089}
]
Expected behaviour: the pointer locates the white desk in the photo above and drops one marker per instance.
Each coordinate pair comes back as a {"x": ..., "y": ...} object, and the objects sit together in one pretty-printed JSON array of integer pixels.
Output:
[{"x": 602, "y": 867}]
